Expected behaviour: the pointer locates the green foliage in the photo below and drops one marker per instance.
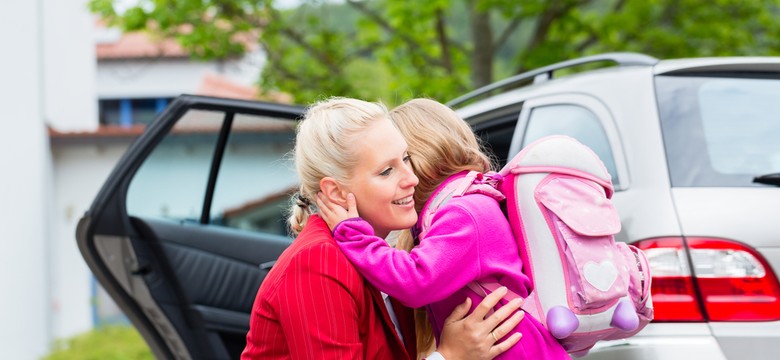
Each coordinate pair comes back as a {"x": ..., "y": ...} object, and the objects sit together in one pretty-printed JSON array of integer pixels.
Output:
[
  {"x": 394, "y": 50},
  {"x": 114, "y": 342}
]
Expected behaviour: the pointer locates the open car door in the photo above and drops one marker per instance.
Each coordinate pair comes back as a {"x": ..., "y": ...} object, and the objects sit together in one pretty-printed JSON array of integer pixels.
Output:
[{"x": 191, "y": 219}]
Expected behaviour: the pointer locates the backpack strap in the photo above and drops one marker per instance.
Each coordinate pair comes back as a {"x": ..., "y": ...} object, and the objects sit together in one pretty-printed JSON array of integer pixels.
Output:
[
  {"x": 486, "y": 184},
  {"x": 483, "y": 288}
]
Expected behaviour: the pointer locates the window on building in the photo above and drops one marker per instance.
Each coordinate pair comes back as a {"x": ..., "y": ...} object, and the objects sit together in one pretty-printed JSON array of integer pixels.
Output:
[{"x": 128, "y": 112}]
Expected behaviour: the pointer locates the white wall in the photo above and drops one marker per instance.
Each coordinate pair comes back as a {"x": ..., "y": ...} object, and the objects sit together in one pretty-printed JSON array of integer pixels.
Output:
[
  {"x": 69, "y": 79},
  {"x": 79, "y": 171},
  {"x": 69, "y": 65},
  {"x": 24, "y": 331},
  {"x": 48, "y": 78}
]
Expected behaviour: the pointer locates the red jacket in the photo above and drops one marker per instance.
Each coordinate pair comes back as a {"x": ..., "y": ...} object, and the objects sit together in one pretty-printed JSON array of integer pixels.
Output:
[{"x": 315, "y": 305}]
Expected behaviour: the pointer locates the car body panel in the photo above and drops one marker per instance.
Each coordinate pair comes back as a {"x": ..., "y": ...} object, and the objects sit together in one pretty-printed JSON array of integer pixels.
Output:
[
  {"x": 661, "y": 347},
  {"x": 753, "y": 340},
  {"x": 746, "y": 215}
]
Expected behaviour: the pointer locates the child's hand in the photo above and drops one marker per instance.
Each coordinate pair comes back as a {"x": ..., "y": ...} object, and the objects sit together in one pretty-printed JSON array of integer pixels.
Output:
[{"x": 334, "y": 213}]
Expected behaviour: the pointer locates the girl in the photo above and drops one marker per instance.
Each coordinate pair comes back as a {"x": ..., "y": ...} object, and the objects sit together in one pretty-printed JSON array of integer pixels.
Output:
[
  {"x": 314, "y": 304},
  {"x": 469, "y": 237}
]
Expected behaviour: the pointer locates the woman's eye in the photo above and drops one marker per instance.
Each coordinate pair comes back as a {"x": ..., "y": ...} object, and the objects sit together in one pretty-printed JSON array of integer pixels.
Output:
[
  {"x": 386, "y": 172},
  {"x": 407, "y": 158}
]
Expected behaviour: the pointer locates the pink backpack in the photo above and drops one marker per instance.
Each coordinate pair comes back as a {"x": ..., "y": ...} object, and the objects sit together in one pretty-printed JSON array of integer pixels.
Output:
[{"x": 587, "y": 287}]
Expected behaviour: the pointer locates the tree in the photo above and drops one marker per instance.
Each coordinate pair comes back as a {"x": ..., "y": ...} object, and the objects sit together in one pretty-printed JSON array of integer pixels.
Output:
[{"x": 394, "y": 50}]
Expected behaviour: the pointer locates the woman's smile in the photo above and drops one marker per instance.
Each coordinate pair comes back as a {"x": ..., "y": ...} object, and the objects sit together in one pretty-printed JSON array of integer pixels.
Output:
[{"x": 406, "y": 201}]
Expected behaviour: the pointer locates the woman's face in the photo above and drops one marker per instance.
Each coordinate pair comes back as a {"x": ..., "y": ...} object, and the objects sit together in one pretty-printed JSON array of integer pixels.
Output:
[{"x": 383, "y": 181}]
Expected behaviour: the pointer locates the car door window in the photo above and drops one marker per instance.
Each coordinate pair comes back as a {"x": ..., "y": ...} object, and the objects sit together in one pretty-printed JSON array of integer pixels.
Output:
[
  {"x": 171, "y": 183},
  {"x": 496, "y": 137},
  {"x": 575, "y": 121},
  {"x": 256, "y": 176},
  {"x": 254, "y": 180}
]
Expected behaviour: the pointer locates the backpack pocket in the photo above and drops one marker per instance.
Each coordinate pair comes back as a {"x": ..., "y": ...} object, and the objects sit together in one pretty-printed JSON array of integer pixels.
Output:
[
  {"x": 583, "y": 222},
  {"x": 640, "y": 280}
]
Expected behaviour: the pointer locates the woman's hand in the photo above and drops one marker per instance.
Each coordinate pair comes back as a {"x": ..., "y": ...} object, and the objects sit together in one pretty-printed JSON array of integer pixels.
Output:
[
  {"x": 476, "y": 337},
  {"x": 334, "y": 213}
]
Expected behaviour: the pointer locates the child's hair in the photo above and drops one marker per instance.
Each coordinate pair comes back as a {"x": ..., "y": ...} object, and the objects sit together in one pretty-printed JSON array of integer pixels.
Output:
[
  {"x": 323, "y": 147},
  {"x": 441, "y": 144}
]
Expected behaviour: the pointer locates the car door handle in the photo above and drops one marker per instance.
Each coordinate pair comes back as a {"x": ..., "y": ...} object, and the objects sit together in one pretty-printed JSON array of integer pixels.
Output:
[{"x": 267, "y": 265}]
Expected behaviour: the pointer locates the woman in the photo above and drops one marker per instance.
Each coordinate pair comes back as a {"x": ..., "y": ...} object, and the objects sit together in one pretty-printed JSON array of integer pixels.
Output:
[
  {"x": 469, "y": 238},
  {"x": 314, "y": 304}
]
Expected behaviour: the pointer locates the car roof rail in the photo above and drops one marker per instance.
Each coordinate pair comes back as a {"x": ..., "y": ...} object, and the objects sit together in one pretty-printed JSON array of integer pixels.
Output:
[{"x": 546, "y": 73}]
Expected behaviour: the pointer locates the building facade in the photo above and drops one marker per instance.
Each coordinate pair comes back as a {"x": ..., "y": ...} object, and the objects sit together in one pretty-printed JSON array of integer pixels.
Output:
[{"x": 75, "y": 95}]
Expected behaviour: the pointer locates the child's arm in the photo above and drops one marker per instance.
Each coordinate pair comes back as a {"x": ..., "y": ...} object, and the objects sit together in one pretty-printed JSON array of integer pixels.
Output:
[{"x": 444, "y": 262}]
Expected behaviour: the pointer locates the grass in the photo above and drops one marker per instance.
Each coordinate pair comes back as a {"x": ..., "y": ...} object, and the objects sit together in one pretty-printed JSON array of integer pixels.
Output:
[{"x": 111, "y": 342}]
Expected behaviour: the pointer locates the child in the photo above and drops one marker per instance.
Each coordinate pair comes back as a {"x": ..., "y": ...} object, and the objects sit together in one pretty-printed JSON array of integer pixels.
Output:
[{"x": 468, "y": 239}]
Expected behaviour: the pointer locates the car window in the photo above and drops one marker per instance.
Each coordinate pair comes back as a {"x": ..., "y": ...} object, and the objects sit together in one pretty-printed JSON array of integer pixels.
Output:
[
  {"x": 497, "y": 137},
  {"x": 575, "y": 121},
  {"x": 254, "y": 180},
  {"x": 256, "y": 176},
  {"x": 171, "y": 182},
  {"x": 719, "y": 130}
]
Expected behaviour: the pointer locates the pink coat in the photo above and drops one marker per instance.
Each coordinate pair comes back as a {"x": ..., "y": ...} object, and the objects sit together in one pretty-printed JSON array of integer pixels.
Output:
[{"x": 469, "y": 239}]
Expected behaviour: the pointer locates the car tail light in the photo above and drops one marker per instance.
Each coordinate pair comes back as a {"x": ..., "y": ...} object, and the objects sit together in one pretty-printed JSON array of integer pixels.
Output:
[
  {"x": 674, "y": 295},
  {"x": 715, "y": 280}
]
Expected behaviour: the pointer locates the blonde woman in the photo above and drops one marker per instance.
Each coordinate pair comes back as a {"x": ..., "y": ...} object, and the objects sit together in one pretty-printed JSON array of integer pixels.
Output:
[
  {"x": 468, "y": 239},
  {"x": 314, "y": 304}
]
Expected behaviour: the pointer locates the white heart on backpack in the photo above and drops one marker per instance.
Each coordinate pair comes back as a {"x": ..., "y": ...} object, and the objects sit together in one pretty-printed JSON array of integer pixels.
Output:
[{"x": 601, "y": 275}]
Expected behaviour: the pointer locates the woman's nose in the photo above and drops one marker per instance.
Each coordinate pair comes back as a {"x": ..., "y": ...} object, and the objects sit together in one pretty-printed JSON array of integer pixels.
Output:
[{"x": 410, "y": 179}]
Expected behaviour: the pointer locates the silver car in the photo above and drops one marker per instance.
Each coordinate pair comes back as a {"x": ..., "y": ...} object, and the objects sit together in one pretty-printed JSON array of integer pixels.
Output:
[{"x": 693, "y": 147}]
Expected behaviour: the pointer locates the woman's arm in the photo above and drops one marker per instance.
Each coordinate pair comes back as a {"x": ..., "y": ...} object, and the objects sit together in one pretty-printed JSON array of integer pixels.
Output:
[
  {"x": 444, "y": 262},
  {"x": 318, "y": 311}
]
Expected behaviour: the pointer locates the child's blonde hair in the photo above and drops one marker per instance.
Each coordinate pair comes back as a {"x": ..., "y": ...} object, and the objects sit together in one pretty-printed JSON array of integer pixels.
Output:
[
  {"x": 324, "y": 147},
  {"x": 441, "y": 144}
]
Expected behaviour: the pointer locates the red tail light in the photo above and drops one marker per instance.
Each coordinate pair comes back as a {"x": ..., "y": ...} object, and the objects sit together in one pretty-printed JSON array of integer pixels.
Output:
[{"x": 731, "y": 281}]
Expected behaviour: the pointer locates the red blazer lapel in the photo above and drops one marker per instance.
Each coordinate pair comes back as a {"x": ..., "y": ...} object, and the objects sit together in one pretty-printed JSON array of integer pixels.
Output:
[
  {"x": 380, "y": 304},
  {"x": 405, "y": 317}
]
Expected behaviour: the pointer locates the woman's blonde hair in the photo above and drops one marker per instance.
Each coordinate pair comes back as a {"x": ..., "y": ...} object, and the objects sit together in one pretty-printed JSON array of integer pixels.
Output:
[
  {"x": 323, "y": 147},
  {"x": 441, "y": 144}
]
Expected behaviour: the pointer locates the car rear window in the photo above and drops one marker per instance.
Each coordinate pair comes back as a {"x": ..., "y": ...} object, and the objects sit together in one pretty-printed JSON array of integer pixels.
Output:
[{"x": 720, "y": 130}]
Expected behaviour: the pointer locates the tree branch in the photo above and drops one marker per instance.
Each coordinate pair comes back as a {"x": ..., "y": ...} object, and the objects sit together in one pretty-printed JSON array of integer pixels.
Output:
[
  {"x": 592, "y": 36},
  {"x": 542, "y": 29},
  {"x": 482, "y": 55},
  {"x": 276, "y": 64},
  {"x": 508, "y": 30},
  {"x": 364, "y": 51},
  {"x": 413, "y": 45},
  {"x": 441, "y": 34},
  {"x": 298, "y": 38}
]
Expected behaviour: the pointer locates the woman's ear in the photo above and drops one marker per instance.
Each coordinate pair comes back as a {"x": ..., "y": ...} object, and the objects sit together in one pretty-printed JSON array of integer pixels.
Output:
[{"x": 333, "y": 191}]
